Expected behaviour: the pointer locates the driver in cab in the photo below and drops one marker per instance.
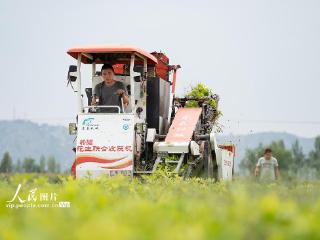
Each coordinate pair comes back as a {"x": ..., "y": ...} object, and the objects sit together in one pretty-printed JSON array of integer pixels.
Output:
[{"x": 109, "y": 92}]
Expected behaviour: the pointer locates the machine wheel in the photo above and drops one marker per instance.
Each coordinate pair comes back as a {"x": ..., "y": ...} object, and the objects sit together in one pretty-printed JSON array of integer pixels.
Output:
[
  {"x": 204, "y": 166},
  {"x": 208, "y": 161},
  {"x": 188, "y": 172}
]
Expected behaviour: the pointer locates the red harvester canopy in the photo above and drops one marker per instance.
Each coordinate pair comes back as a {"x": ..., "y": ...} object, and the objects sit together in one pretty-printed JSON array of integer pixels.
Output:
[{"x": 110, "y": 53}]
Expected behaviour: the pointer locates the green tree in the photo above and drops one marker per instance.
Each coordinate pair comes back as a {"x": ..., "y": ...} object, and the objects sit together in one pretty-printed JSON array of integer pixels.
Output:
[
  {"x": 58, "y": 168},
  {"x": 29, "y": 165},
  {"x": 18, "y": 167},
  {"x": 36, "y": 168},
  {"x": 51, "y": 164},
  {"x": 250, "y": 160},
  {"x": 6, "y": 163},
  {"x": 42, "y": 165},
  {"x": 298, "y": 158},
  {"x": 314, "y": 155}
]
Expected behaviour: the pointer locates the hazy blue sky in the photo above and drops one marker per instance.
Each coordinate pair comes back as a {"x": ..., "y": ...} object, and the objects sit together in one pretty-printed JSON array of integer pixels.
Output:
[{"x": 261, "y": 56}]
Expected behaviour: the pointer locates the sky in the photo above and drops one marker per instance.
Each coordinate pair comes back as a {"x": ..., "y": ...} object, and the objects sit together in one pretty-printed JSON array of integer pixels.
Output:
[{"x": 261, "y": 56}]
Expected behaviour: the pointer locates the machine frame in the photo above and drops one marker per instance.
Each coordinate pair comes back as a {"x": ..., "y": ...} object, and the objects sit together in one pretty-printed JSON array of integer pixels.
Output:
[{"x": 198, "y": 154}]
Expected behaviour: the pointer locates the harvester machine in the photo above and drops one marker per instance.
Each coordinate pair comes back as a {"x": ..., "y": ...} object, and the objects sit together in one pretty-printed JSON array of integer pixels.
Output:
[{"x": 155, "y": 130}]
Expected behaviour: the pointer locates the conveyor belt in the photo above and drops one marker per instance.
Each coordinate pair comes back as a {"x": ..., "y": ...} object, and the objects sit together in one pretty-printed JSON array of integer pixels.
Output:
[{"x": 183, "y": 125}]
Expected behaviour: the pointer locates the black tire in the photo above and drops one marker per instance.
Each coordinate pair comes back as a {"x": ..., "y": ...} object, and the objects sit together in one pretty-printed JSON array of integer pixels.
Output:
[
  {"x": 205, "y": 166},
  {"x": 208, "y": 165}
]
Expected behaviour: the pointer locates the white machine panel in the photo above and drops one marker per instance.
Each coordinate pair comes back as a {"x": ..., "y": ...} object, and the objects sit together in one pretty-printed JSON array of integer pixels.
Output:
[
  {"x": 225, "y": 163},
  {"x": 105, "y": 144}
]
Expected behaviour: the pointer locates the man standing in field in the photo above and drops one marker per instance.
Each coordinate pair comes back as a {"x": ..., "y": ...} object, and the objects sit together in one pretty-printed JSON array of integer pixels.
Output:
[{"x": 267, "y": 167}]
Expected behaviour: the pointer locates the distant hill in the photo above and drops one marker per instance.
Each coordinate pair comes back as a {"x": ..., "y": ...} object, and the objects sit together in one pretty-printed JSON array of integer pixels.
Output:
[
  {"x": 28, "y": 139},
  {"x": 250, "y": 141}
]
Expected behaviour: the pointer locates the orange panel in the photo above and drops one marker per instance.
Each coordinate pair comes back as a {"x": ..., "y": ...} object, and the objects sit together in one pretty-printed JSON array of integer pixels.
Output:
[
  {"x": 183, "y": 125},
  {"x": 162, "y": 67},
  {"x": 74, "y": 52},
  {"x": 229, "y": 147}
]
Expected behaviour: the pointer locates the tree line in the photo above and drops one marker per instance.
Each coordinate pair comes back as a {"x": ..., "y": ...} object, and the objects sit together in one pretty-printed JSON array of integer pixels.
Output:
[
  {"x": 292, "y": 161},
  {"x": 29, "y": 165}
]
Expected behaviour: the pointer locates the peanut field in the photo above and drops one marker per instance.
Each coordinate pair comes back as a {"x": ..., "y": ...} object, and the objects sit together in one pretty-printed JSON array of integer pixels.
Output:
[{"x": 156, "y": 207}]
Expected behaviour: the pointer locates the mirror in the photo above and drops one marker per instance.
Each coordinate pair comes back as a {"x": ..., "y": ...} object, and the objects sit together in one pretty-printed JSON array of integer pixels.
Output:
[
  {"x": 72, "y": 73},
  {"x": 72, "y": 128},
  {"x": 137, "y": 78}
]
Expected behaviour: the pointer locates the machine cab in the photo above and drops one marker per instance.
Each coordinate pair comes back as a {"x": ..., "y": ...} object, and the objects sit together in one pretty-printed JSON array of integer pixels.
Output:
[{"x": 131, "y": 67}]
